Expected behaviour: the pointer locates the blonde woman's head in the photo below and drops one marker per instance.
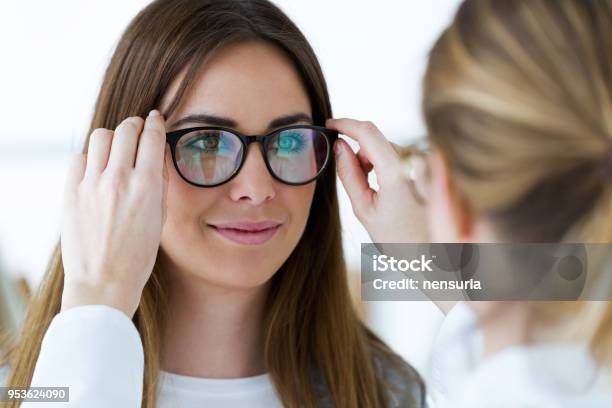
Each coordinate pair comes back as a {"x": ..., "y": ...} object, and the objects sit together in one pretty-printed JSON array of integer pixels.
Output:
[{"x": 518, "y": 106}]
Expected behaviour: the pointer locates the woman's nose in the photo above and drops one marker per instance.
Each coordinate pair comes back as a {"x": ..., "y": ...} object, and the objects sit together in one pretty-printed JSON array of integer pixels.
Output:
[{"x": 253, "y": 183}]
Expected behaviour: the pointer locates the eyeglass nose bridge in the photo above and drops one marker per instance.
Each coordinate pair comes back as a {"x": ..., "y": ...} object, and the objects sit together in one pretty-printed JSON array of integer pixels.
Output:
[{"x": 250, "y": 139}]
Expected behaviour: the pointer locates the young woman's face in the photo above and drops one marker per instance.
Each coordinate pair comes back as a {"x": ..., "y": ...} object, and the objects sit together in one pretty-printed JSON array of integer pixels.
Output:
[{"x": 252, "y": 88}]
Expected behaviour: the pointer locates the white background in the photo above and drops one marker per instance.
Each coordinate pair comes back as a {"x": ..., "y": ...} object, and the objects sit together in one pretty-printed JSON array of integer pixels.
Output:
[{"x": 54, "y": 54}]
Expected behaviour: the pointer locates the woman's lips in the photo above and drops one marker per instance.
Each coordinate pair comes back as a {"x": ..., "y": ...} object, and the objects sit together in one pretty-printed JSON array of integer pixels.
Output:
[{"x": 247, "y": 233}]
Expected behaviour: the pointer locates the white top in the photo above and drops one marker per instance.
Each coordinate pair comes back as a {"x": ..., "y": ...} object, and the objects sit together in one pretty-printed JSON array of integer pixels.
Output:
[
  {"x": 179, "y": 391},
  {"x": 542, "y": 376},
  {"x": 96, "y": 351}
]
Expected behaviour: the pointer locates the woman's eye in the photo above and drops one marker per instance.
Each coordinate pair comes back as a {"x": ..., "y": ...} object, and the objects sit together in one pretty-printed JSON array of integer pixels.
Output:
[
  {"x": 205, "y": 143},
  {"x": 211, "y": 142},
  {"x": 289, "y": 143}
]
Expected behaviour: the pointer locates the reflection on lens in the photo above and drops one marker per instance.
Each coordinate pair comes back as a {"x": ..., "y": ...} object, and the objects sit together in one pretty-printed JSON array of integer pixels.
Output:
[
  {"x": 297, "y": 155},
  {"x": 208, "y": 157}
]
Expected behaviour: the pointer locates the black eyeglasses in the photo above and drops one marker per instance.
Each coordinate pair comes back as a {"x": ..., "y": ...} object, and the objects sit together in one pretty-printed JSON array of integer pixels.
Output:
[{"x": 212, "y": 155}]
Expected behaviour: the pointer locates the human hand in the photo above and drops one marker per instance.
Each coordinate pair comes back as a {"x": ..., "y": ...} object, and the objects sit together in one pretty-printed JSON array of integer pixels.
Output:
[
  {"x": 113, "y": 211},
  {"x": 392, "y": 213}
]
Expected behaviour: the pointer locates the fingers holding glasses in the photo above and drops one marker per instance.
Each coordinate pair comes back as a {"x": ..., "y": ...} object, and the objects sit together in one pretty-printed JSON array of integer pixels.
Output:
[
  {"x": 116, "y": 215},
  {"x": 375, "y": 153},
  {"x": 375, "y": 149},
  {"x": 354, "y": 178},
  {"x": 152, "y": 156},
  {"x": 390, "y": 214},
  {"x": 152, "y": 146},
  {"x": 135, "y": 143}
]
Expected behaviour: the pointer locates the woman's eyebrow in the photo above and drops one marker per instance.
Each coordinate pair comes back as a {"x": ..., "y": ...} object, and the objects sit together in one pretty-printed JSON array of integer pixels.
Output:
[
  {"x": 289, "y": 120},
  {"x": 214, "y": 120},
  {"x": 206, "y": 119}
]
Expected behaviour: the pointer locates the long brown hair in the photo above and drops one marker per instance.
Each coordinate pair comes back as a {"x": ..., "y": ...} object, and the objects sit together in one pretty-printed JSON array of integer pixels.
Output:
[
  {"x": 311, "y": 327},
  {"x": 518, "y": 98}
]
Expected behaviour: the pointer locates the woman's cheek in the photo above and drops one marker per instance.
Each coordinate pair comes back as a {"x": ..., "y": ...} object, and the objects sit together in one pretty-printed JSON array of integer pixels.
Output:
[{"x": 301, "y": 206}]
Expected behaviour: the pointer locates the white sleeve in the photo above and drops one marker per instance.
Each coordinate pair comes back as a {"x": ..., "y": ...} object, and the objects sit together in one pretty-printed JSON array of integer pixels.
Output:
[{"x": 96, "y": 351}]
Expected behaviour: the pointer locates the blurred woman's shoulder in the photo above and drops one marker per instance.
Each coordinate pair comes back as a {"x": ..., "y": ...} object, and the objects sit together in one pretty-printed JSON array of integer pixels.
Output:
[{"x": 404, "y": 386}]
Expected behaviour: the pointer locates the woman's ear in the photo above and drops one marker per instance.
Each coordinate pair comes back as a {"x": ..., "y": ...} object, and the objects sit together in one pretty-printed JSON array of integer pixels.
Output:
[{"x": 449, "y": 213}]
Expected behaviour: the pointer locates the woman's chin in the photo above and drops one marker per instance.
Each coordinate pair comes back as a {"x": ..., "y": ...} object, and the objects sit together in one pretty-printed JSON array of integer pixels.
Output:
[{"x": 234, "y": 279}]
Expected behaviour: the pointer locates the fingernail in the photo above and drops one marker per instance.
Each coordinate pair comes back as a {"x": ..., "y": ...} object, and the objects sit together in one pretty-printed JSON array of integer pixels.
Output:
[
  {"x": 154, "y": 112},
  {"x": 337, "y": 148}
]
